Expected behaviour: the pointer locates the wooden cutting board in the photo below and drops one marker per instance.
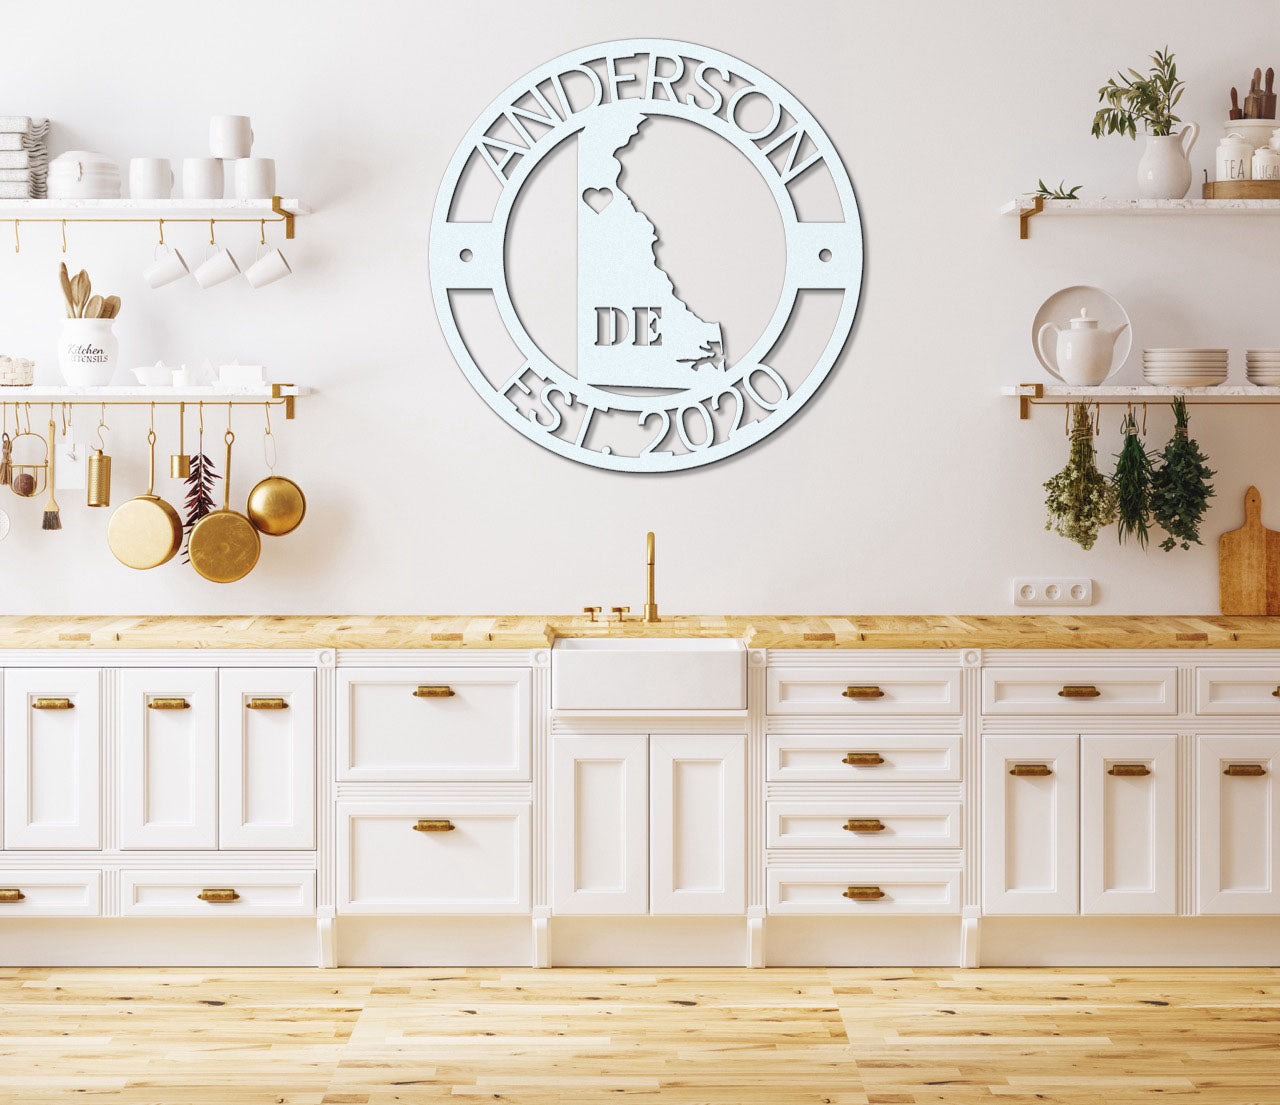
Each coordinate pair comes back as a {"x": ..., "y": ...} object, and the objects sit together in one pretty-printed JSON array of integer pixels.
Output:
[{"x": 1249, "y": 564}]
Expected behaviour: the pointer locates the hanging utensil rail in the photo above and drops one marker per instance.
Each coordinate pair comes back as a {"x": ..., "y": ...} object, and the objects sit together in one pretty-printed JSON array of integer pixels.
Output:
[{"x": 275, "y": 395}]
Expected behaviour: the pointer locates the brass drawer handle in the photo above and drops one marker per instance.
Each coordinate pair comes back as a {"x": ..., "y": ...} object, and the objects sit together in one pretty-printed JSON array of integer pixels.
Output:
[
  {"x": 870, "y": 691},
  {"x": 434, "y": 825},
  {"x": 1247, "y": 770},
  {"x": 864, "y": 893},
  {"x": 11, "y": 894},
  {"x": 864, "y": 825},
  {"x": 1032, "y": 771},
  {"x": 1079, "y": 690},
  {"x": 863, "y": 759},
  {"x": 218, "y": 894},
  {"x": 266, "y": 704},
  {"x": 433, "y": 692},
  {"x": 168, "y": 704},
  {"x": 53, "y": 704},
  {"x": 1128, "y": 770},
  {"x": 1276, "y": 693}
]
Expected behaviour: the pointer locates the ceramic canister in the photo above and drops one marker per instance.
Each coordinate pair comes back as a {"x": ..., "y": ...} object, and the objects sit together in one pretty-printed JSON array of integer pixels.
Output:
[
  {"x": 1266, "y": 164},
  {"x": 1233, "y": 160}
]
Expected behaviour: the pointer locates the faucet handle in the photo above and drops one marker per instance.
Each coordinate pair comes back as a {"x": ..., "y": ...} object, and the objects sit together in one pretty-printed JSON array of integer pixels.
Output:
[
  {"x": 620, "y": 610},
  {"x": 592, "y": 610}
]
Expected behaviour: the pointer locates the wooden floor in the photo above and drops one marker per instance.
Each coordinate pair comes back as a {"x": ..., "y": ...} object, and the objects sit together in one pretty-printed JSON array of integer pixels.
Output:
[{"x": 728, "y": 1037}]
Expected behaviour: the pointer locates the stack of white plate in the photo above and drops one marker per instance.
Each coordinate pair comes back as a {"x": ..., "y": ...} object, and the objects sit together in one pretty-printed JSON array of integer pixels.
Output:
[
  {"x": 1184, "y": 368},
  {"x": 79, "y": 174},
  {"x": 1262, "y": 367}
]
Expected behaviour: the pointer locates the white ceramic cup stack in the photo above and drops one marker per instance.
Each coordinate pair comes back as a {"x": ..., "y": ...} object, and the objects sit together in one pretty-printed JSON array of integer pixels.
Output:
[
  {"x": 79, "y": 174},
  {"x": 1262, "y": 367},
  {"x": 1184, "y": 367}
]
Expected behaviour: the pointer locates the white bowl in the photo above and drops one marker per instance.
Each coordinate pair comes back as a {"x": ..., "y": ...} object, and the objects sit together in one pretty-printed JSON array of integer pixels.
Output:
[{"x": 154, "y": 375}]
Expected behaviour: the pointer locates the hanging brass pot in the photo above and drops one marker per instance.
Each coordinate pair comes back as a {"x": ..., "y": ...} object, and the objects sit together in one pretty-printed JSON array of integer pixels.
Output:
[
  {"x": 145, "y": 532},
  {"x": 224, "y": 546},
  {"x": 276, "y": 505}
]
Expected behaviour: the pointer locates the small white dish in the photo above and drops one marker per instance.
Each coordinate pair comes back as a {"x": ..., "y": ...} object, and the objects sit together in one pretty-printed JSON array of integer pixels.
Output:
[{"x": 157, "y": 375}]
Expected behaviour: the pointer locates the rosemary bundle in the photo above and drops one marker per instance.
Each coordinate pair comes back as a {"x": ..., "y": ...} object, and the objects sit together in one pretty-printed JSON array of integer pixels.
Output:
[
  {"x": 1180, "y": 489},
  {"x": 1132, "y": 481},
  {"x": 199, "y": 501},
  {"x": 1080, "y": 501}
]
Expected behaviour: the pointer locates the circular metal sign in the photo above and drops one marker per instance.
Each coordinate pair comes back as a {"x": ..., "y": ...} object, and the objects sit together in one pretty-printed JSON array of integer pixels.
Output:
[{"x": 654, "y": 389}]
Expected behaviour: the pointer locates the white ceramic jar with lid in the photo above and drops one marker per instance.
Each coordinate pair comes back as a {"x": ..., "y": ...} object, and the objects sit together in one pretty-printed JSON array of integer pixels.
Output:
[
  {"x": 1233, "y": 160},
  {"x": 1266, "y": 164}
]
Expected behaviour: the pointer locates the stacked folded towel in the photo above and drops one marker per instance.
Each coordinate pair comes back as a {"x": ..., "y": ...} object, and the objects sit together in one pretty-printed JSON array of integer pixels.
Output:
[{"x": 24, "y": 157}]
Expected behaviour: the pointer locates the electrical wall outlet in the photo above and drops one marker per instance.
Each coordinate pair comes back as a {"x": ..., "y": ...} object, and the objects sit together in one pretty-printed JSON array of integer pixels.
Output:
[{"x": 1053, "y": 591}]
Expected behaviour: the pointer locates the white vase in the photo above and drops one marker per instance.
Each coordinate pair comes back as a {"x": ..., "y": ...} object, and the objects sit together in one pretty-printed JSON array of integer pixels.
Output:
[
  {"x": 87, "y": 352},
  {"x": 1164, "y": 173}
]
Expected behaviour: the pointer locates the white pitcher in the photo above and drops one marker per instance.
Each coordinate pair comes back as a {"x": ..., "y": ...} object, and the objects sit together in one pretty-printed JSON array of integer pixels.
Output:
[{"x": 1164, "y": 173}]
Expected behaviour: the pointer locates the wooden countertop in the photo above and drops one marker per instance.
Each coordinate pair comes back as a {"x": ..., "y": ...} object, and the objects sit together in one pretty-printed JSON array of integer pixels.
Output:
[{"x": 532, "y": 631}]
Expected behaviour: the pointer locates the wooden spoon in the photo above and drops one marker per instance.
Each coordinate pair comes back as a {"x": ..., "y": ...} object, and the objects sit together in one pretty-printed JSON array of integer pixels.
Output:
[
  {"x": 65, "y": 281},
  {"x": 93, "y": 309},
  {"x": 80, "y": 289},
  {"x": 110, "y": 307}
]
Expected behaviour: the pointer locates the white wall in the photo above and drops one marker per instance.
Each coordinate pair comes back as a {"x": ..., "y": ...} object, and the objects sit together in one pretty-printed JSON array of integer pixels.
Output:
[{"x": 907, "y": 485}]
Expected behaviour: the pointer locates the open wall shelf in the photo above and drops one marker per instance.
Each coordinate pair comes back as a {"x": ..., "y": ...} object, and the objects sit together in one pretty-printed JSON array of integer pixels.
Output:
[
  {"x": 1059, "y": 395},
  {"x": 1028, "y": 207}
]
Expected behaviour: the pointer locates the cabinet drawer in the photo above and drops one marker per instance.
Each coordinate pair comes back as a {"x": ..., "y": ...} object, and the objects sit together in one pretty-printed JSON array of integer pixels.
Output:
[
  {"x": 1238, "y": 691},
  {"x": 471, "y": 857},
  {"x": 217, "y": 893},
  {"x": 863, "y": 758},
  {"x": 863, "y": 692},
  {"x": 50, "y": 894},
  {"x": 888, "y": 890},
  {"x": 1079, "y": 692},
  {"x": 434, "y": 724},
  {"x": 862, "y": 823}
]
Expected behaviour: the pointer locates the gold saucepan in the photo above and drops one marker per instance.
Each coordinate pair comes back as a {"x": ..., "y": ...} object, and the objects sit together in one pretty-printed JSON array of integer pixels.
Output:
[
  {"x": 223, "y": 545},
  {"x": 276, "y": 505},
  {"x": 145, "y": 532}
]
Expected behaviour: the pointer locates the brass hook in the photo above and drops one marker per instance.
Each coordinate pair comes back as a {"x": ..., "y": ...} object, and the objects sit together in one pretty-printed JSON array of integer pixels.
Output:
[
  {"x": 102, "y": 425},
  {"x": 1097, "y": 419},
  {"x": 1066, "y": 419},
  {"x": 212, "y": 242},
  {"x": 1144, "y": 420},
  {"x": 160, "y": 224},
  {"x": 268, "y": 441},
  {"x": 262, "y": 232},
  {"x": 202, "y": 416},
  {"x": 67, "y": 420},
  {"x": 27, "y": 412},
  {"x": 228, "y": 416},
  {"x": 153, "y": 418},
  {"x": 64, "y": 235}
]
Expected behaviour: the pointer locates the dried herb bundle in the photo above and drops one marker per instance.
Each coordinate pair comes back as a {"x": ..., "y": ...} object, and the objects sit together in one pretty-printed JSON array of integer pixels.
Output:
[
  {"x": 1132, "y": 481},
  {"x": 1080, "y": 501},
  {"x": 1181, "y": 489},
  {"x": 199, "y": 501}
]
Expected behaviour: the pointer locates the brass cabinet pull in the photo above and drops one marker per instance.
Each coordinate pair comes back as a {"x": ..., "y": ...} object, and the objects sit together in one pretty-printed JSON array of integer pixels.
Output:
[
  {"x": 864, "y": 893},
  {"x": 1276, "y": 693},
  {"x": 862, "y": 759},
  {"x": 218, "y": 894},
  {"x": 433, "y": 692},
  {"x": 870, "y": 691},
  {"x": 434, "y": 825},
  {"x": 168, "y": 704},
  {"x": 1125, "y": 770},
  {"x": 1079, "y": 690},
  {"x": 1248, "y": 770},
  {"x": 1033, "y": 771},
  {"x": 53, "y": 704},
  {"x": 266, "y": 704},
  {"x": 11, "y": 894},
  {"x": 864, "y": 825}
]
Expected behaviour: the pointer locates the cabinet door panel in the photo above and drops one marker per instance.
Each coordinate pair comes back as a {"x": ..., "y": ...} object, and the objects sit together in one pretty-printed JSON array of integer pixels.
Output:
[
  {"x": 267, "y": 723},
  {"x": 1128, "y": 824},
  {"x": 168, "y": 745},
  {"x": 697, "y": 825},
  {"x": 600, "y": 825},
  {"x": 1031, "y": 822},
  {"x": 1238, "y": 827},
  {"x": 52, "y": 758}
]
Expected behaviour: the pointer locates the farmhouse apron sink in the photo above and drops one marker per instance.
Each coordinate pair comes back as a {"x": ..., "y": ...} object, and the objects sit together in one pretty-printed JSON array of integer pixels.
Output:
[{"x": 664, "y": 674}]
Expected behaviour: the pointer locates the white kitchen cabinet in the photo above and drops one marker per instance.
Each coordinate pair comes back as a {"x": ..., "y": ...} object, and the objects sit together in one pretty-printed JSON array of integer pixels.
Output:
[
  {"x": 600, "y": 824},
  {"x": 863, "y": 691},
  {"x": 434, "y": 724},
  {"x": 1079, "y": 691},
  {"x": 863, "y": 758},
  {"x": 52, "y": 758},
  {"x": 217, "y": 893},
  {"x": 434, "y": 857},
  {"x": 697, "y": 845},
  {"x": 267, "y": 752},
  {"x": 50, "y": 893},
  {"x": 1031, "y": 825},
  {"x": 1128, "y": 824},
  {"x": 863, "y": 889},
  {"x": 168, "y": 757},
  {"x": 861, "y": 823},
  {"x": 1238, "y": 824}
]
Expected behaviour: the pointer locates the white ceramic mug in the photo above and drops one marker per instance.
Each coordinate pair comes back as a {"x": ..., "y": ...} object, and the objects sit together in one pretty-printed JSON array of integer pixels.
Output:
[
  {"x": 255, "y": 178},
  {"x": 267, "y": 269},
  {"x": 216, "y": 268},
  {"x": 166, "y": 268},
  {"x": 230, "y": 136},
  {"x": 201, "y": 178},
  {"x": 150, "y": 178}
]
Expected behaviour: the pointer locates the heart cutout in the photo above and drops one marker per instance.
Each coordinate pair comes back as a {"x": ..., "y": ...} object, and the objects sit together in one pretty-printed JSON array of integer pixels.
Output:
[{"x": 597, "y": 198}]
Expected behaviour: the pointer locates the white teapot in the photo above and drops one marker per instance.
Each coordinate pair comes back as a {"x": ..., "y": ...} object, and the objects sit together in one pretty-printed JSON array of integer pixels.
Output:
[{"x": 1082, "y": 355}]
